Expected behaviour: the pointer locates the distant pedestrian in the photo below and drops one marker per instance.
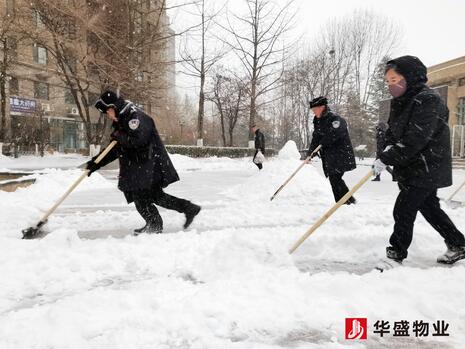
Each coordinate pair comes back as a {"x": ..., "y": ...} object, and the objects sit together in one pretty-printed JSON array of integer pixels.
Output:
[
  {"x": 337, "y": 154},
  {"x": 259, "y": 155}
]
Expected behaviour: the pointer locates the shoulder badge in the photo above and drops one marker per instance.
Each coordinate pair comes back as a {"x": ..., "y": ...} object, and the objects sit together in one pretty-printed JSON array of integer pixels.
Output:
[
  {"x": 134, "y": 124},
  {"x": 336, "y": 124}
]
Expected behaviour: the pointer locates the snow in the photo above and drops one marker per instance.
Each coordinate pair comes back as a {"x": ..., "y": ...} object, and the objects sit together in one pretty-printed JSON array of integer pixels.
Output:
[
  {"x": 227, "y": 282},
  {"x": 289, "y": 151}
]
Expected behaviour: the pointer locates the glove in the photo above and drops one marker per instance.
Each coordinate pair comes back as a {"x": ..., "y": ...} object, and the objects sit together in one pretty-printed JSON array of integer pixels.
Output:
[
  {"x": 387, "y": 148},
  {"x": 378, "y": 167},
  {"x": 92, "y": 167}
]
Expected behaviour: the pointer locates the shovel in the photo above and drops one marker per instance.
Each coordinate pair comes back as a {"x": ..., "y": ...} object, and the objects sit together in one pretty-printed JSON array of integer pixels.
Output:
[
  {"x": 306, "y": 161},
  {"x": 333, "y": 209},
  {"x": 33, "y": 232},
  {"x": 454, "y": 203}
]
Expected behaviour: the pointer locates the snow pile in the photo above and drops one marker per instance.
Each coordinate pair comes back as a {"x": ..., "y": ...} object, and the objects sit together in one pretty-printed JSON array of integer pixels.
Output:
[
  {"x": 27, "y": 205},
  {"x": 185, "y": 163},
  {"x": 4, "y": 159},
  {"x": 29, "y": 162},
  {"x": 229, "y": 281},
  {"x": 289, "y": 151},
  {"x": 307, "y": 183}
]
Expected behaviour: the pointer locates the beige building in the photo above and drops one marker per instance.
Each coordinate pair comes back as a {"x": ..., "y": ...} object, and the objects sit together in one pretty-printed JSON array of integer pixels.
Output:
[
  {"x": 38, "y": 98},
  {"x": 450, "y": 76}
]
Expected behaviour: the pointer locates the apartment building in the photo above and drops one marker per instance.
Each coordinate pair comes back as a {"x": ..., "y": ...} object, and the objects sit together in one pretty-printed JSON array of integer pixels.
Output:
[
  {"x": 450, "y": 76},
  {"x": 39, "y": 100}
]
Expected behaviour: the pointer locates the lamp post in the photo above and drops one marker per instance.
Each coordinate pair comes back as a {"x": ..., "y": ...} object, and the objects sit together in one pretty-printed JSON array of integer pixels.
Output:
[{"x": 181, "y": 124}]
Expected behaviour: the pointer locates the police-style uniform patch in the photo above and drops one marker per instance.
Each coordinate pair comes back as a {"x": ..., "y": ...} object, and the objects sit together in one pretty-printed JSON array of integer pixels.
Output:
[
  {"x": 134, "y": 124},
  {"x": 336, "y": 124}
]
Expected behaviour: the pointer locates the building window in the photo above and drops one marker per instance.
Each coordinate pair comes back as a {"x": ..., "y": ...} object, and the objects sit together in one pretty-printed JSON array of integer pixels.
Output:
[
  {"x": 69, "y": 97},
  {"x": 38, "y": 19},
  {"x": 462, "y": 82},
  {"x": 41, "y": 90},
  {"x": 10, "y": 7},
  {"x": 14, "y": 86},
  {"x": 461, "y": 112},
  {"x": 12, "y": 47},
  {"x": 40, "y": 54}
]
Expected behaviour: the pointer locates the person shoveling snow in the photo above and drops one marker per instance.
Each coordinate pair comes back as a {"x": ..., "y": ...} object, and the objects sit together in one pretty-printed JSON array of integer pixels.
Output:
[{"x": 145, "y": 166}]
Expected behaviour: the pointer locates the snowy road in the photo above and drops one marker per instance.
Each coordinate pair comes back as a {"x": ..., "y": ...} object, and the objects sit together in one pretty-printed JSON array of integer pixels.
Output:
[{"x": 229, "y": 281}]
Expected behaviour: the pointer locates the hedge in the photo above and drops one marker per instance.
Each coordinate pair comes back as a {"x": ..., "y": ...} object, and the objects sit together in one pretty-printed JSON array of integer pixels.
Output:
[{"x": 203, "y": 152}]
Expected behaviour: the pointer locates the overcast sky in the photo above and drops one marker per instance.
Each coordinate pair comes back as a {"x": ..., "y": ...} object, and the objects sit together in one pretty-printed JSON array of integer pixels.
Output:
[{"x": 433, "y": 30}]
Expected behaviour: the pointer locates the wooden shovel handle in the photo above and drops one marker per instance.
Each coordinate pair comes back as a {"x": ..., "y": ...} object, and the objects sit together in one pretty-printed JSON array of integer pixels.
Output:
[{"x": 331, "y": 211}]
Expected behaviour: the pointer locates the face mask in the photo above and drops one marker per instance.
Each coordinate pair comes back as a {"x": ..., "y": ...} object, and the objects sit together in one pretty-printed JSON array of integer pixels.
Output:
[{"x": 398, "y": 89}]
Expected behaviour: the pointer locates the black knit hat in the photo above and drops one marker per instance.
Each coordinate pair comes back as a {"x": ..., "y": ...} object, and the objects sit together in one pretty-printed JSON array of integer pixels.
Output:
[
  {"x": 316, "y": 102},
  {"x": 109, "y": 99},
  {"x": 411, "y": 68}
]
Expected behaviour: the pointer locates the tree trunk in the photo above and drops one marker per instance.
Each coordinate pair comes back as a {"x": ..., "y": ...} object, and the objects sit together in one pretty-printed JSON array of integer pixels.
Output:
[
  {"x": 202, "y": 84},
  {"x": 3, "y": 92},
  {"x": 231, "y": 140}
]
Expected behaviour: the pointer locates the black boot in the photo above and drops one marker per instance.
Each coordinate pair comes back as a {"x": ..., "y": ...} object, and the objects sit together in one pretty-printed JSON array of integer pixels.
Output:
[
  {"x": 138, "y": 230},
  {"x": 192, "y": 211},
  {"x": 393, "y": 259},
  {"x": 351, "y": 201},
  {"x": 149, "y": 229},
  {"x": 452, "y": 255}
]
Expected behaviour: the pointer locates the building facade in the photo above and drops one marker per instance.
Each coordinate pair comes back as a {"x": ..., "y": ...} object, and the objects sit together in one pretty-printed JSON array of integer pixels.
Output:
[
  {"x": 40, "y": 107},
  {"x": 450, "y": 75}
]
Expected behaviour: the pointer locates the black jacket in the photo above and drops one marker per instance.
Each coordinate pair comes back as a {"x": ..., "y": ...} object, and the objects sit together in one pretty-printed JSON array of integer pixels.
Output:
[
  {"x": 260, "y": 141},
  {"x": 418, "y": 131},
  {"x": 380, "y": 141},
  {"x": 144, "y": 161},
  {"x": 336, "y": 152},
  {"x": 420, "y": 139}
]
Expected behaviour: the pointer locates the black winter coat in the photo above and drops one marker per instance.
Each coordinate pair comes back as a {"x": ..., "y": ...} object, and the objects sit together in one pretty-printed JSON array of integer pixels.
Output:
[
  {"x": 144, "y": 161},
  {"x": 380, "y": 141},
  {"x": 336, "y": 152},
  {"x": 420, "y": 139},
  {"x": 260, "y": 141}
]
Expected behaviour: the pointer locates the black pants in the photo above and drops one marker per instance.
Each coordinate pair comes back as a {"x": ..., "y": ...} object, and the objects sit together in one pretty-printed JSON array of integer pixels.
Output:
[
  {"x": 339, "y": 187},
  {"x": 411, "y": 200},
  {"x": 145, "y": 202},
  {"x": 260, "y": 166}
]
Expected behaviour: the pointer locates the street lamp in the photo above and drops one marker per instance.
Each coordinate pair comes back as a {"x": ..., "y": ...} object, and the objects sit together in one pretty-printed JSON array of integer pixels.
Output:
[{"x": 181, "y": 124}]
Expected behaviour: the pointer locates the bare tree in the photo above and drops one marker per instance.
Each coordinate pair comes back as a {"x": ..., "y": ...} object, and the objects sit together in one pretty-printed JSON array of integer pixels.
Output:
[
  {"x": 228, "y": 94},
  {"x": 11, "y": 16},
  {"x": 198, "y": 64},
  {"x": 258, "y": 41},
  {"x": 344, "y": 64},
  {"x": 372, "y": 37},
  {"x": 93, "y": 51}
]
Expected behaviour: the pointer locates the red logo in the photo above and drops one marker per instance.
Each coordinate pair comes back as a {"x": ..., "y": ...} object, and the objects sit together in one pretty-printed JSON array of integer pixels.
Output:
[{"x": 356, "y": 328}]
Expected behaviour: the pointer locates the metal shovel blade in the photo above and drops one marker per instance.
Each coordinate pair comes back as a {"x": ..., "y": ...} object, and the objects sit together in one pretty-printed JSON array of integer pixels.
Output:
[
  {"x": 33, "y": 232},
  {"x": 454, "y": 203}
]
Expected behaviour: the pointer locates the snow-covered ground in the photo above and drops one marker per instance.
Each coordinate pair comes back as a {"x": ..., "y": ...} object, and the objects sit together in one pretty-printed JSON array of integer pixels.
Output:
[{"x": 227, "y": 282}]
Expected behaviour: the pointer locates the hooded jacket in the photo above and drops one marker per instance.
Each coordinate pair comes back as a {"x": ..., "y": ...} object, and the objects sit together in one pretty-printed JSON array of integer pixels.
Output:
[{"x": 418, "y": 137}]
